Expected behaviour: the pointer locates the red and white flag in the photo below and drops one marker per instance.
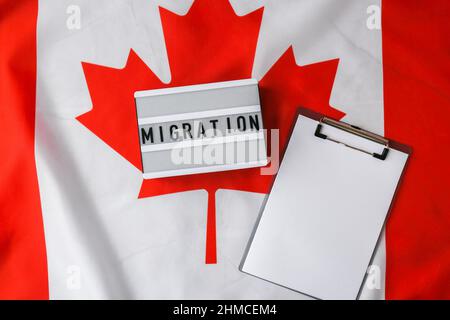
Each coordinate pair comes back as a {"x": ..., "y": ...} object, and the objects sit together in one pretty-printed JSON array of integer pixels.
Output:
[{"x": 77, "y": 220}]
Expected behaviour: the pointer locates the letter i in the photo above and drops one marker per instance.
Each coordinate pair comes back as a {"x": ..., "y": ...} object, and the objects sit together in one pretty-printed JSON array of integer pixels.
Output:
[
  {"x": 161, "y": 135},
  {"x": 228, "y": 124}
]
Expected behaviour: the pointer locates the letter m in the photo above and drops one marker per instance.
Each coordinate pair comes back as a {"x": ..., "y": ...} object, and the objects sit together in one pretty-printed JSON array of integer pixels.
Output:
[{"x": 147, "y": 135}]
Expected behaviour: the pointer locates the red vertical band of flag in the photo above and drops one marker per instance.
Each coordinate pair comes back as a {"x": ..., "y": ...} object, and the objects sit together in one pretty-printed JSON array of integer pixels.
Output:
[
  {"x": 23, "y": 264},
  {"x": 416, "y": 67}
]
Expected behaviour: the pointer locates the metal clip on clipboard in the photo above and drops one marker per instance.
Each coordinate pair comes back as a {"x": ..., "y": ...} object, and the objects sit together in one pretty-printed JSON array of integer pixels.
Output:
[{"x": 354, "y": 130}]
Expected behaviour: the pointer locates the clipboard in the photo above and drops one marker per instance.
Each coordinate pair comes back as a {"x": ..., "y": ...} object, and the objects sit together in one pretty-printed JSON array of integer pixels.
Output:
[{"x": 321, "y": 222}]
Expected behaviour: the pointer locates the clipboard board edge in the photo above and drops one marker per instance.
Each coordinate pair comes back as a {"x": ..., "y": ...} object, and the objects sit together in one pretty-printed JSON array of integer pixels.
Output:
[{"x": 318, "y": 116}]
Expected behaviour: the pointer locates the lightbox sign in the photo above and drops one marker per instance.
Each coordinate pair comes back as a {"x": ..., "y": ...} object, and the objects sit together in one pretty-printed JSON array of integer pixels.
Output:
[{"x": 200, "y": 128}]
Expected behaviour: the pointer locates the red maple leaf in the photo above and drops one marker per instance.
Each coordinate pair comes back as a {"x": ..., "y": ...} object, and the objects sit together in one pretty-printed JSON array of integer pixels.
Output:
[{"x": 209, "y": 44}]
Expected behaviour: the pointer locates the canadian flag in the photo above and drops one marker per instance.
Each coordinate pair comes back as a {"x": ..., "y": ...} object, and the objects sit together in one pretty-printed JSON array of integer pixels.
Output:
[{"x": 77, "y": 220}]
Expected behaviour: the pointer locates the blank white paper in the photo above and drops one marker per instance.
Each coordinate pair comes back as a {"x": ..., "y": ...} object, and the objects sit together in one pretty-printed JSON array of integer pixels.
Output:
[{"x": 324, "y": 214}]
